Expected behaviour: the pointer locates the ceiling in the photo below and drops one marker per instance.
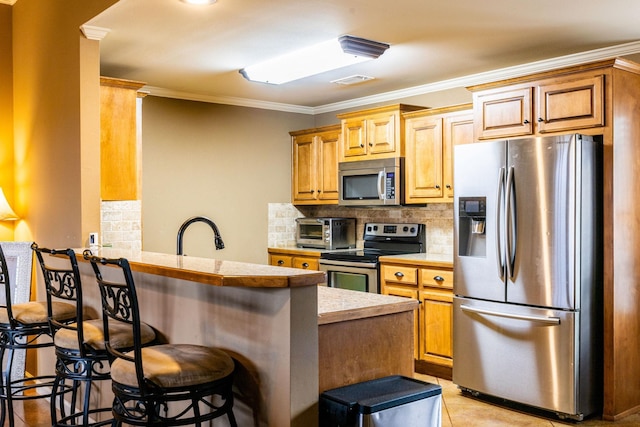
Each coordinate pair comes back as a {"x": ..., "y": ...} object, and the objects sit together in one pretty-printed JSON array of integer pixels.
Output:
[{"x": 195, "y": 52}]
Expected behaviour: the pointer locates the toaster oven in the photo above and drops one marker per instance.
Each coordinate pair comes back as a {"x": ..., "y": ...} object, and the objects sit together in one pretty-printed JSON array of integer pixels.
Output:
[{"x": 326, "y": 233}]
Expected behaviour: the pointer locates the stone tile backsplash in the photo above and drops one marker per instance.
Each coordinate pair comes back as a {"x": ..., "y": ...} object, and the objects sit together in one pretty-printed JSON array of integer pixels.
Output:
[
  {"x": 121, "y": 224},
  {"x": 437, "y": 217}
]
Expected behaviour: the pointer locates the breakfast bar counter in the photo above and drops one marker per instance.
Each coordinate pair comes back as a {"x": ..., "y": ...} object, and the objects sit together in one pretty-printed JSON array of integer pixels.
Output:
[{"x": 282, "y": 329}]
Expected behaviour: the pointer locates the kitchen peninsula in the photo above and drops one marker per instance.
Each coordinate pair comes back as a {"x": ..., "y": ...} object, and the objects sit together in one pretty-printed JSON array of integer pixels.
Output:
[{"x": 266, "y": 318}]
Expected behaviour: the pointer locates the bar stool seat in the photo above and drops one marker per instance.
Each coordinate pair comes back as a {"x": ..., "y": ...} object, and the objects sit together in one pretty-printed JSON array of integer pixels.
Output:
[
  {"x": 35, "y": 313},
  {"x": 175, "y": 365},
  {"x": 93, "y": 334}
]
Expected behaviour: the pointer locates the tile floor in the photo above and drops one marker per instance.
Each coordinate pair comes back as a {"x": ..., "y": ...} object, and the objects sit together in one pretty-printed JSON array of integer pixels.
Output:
[
  {"x": 457, "y": 411},
  {"x": 463, "y": 411}
]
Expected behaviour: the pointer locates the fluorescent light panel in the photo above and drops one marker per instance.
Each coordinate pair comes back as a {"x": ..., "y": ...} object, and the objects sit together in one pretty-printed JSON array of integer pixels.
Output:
[{"x": 329, "y": 55}]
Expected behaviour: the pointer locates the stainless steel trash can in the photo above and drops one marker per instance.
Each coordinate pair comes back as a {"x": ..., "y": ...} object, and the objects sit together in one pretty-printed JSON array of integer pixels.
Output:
[{"x": 394, "y": 401}]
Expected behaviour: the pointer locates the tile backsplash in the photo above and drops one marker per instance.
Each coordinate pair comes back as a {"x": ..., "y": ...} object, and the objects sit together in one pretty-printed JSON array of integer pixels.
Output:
[{"x": 437, "y": 217}]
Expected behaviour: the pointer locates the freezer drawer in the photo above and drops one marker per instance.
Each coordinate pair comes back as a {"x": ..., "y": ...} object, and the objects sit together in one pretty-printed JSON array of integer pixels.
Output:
[{"x": 524, "y": 354}]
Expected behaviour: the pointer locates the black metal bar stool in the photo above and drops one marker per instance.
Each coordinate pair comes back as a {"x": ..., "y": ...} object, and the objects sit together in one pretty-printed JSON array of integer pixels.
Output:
[
  {"x": 168, "y": 384},
  {"x": 81, "y": 357},
  {"x": 25, "y": 326}
]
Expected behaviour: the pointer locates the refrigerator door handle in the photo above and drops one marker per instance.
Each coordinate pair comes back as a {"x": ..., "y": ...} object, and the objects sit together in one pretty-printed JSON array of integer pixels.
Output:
[
  {"x": 536, "y": 319},
  {"x": 510, "y": 223},
  {"x": 499, "y": 252}
]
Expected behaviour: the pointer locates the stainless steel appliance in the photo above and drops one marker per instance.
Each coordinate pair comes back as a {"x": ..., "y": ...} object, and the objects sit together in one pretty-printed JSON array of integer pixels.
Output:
[
  {"x": 326, "y": 233},
  {"x": 358, "y": 269},
  {"x": 528, "y": 272},
  {"x": 371, "y": 182}
]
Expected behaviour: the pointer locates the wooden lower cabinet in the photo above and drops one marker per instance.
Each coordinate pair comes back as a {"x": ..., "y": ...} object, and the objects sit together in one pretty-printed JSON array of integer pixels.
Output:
[
  {"x": 295, "y": 259},
  {"x": 433, "y": 325}
]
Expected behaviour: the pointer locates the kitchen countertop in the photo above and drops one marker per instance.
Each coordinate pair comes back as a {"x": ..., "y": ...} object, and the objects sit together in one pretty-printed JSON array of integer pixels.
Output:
[
  {"x": 212, "y": 271},
  {"x": 339, "y": 305},
  {"x": 426, "y": 259}
]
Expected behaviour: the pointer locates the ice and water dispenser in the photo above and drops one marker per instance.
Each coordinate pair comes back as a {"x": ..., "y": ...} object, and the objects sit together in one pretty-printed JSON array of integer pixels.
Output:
[{"x": 472, "y": 238}]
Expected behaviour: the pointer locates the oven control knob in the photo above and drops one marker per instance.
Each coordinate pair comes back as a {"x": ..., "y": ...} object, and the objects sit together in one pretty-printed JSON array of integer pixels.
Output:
[{"x": 405, "y": 228}]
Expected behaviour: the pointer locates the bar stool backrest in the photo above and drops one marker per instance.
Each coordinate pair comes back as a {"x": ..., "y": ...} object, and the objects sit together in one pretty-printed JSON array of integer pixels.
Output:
[
  {"x": 62, "y": 284},
  {"x": 4, "y": 282},
  {"x": 120, "y": 304}
]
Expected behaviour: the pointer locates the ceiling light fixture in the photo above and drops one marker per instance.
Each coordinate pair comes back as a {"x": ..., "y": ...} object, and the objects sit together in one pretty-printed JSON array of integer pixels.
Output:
[{"x": 330, "y": 55}]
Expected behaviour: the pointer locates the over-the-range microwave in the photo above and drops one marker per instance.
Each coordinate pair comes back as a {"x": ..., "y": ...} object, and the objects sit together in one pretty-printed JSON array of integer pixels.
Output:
[{"x": 371, "y": 182}]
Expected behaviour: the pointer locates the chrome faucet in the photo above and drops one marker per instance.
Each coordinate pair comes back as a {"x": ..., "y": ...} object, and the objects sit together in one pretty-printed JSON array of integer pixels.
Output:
[{"x": 217, "y": 239}]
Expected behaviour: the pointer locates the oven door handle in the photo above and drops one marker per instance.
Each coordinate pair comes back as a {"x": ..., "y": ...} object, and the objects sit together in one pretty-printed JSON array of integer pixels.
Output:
[{"x": 337, "y": 263}]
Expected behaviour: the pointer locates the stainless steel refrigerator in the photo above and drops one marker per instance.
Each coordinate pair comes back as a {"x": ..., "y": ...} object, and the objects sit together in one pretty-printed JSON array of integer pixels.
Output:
[{"x": 528, "y": 272}]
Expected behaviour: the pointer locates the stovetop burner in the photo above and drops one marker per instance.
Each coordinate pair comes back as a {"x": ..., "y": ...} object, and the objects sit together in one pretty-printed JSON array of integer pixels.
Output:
[{"x": 384, "y": 239}]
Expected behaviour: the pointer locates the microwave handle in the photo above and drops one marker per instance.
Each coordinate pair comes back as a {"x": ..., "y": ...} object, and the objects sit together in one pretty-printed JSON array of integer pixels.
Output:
[{"x": 381, "y": 182}]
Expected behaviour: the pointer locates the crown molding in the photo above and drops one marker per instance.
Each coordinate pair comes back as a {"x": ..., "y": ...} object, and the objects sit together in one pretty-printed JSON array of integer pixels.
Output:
[
  {"x": 470, "y": 80},
  {"x": 9, "y": 2},
  {"x": 94, "y": 33},
  {"x": 228, "y": 100}
]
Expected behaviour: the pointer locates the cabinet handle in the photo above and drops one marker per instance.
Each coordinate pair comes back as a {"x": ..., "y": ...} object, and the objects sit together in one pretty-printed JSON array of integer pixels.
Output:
[
  {"x": 280, "y": 262},
  {"x": 540, "y": 120},
  {"x": 398, "y": 274},
  {"x": 361, "y": 145},
  {"x": 371, "y": 144},
  {"x": 438, "y": 278},
  {"x": 319, "y": 191},
  {"x": 448, "y": 186},
  {"x": 305, "y": 265},
  {"x": 437, "y": 187},
  {"x": 526, "y": 122}
]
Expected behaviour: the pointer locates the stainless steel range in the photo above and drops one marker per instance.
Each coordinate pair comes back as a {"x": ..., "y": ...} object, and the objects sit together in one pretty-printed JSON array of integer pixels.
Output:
[{"x": 358, "y": 269}]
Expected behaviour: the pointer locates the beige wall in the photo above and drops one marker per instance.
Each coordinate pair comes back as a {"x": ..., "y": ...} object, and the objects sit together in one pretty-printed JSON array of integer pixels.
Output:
[
  {"x": 219, "y": 161},
  {"x": 56, "y": 120},
  {"x": 6, "y": 116}
]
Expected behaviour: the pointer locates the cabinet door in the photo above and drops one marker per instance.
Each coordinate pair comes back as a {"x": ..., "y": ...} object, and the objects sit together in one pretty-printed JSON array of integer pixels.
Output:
[
  {"x": 407, "y": 292},
  {"x": 576, "y": 104},
  {"x": 306, "y": 263},
  {"x": 458, "y": 130},
  {"x": 304, "y": 168},
  {"x": 423, "y": 166},
  {"x": 353, "y": 135},
  {"x": 499, "y": 114},
  {"x": 328, "y": 148},
  {"x": 436, "y": 326},
  {"x": 381, "y": 133},
  {"x": 281, "y": 260}
]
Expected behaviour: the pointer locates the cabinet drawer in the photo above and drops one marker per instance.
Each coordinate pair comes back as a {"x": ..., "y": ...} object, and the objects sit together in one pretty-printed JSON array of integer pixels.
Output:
[
  {"x": 432, "y": 277},
  {"x": 305, "y": 263},
  {"x": 281, "y": 260},
  {"x": 400, "y": 274}
]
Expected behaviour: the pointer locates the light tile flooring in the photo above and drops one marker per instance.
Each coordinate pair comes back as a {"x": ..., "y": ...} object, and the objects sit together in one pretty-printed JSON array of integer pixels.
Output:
[
  {"x": 461, "y": 411},
  {"x": 457, "y": 411}
]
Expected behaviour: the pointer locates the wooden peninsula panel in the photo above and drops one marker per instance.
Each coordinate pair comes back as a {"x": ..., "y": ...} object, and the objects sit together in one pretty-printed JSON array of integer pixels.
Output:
[{"x": 363, "y": 336}]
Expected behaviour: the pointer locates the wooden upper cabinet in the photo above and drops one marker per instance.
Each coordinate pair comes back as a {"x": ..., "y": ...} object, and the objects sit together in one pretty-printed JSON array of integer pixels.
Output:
[
  {"x": 315, "y": 165},
  {"x": 375, "y": 133},
  {"x": 120, "y": 149},
  {"x": 430, "y": 137},
  {"x": 423, "y": 163},
  {"x": 458, "y": 130},
  {"x": 503, "y": 113},
  {"x": 568, "y": 105},
  {"x": 558, "y": 104}
]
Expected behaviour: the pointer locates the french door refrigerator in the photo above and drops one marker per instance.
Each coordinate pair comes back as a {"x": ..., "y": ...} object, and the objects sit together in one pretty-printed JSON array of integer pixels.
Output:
[{"x": 528, "y": 272}]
